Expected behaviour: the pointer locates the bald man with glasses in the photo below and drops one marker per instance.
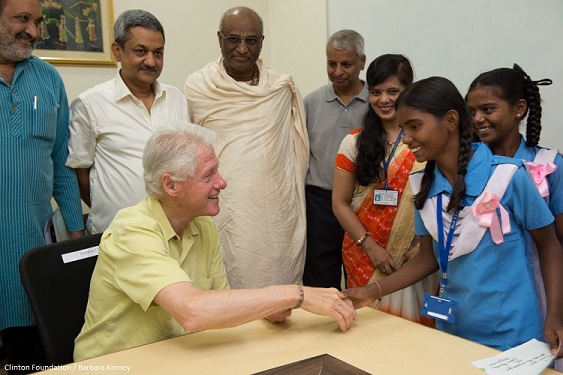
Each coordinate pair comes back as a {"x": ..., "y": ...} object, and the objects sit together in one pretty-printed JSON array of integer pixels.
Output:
[{"x": 263, "y": 150}]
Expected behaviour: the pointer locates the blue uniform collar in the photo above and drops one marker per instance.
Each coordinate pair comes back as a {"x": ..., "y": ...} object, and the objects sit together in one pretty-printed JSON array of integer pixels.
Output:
[
  {"x": 478, "y": 170},
  {"x": 523, "y": 151}
]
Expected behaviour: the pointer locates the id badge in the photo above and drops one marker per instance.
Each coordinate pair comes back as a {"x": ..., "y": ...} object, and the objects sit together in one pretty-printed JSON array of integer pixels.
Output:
[
  {"x": 438, "y": 308},
  {"x": 385, "y": 197}
]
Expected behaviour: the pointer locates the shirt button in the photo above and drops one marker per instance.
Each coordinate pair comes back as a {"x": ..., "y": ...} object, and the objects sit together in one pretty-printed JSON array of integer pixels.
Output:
[{"x": 14, "y": 108}]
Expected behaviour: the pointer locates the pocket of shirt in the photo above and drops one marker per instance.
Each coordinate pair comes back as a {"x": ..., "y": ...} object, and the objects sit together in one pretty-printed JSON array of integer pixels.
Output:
[{"x": 45, "y": 123}]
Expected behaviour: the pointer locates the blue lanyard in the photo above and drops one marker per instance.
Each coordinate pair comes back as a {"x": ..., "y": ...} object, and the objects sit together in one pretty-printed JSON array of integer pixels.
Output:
[
  {"x": 388, "y": 161},
  {"x": 444, "y": 250}
]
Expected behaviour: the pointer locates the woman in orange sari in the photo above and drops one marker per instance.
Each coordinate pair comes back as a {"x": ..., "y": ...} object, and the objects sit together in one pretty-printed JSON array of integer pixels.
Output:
[{"x": 372, "y": 197}]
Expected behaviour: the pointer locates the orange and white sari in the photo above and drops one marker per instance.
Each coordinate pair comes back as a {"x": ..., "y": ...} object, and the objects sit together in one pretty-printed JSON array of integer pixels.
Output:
[{"x": 392, "y": 227}]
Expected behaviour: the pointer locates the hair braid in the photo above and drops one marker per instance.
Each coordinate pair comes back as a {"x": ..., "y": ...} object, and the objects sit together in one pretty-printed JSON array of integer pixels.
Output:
[
  {"x": 425, "y": 184},
  {"x": 456, "y": 199},
  {"x": 533, "y": 124}
]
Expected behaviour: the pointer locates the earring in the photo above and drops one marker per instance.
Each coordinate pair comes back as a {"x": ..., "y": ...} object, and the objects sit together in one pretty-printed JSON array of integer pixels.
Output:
[{"x": 518, "y": 115}]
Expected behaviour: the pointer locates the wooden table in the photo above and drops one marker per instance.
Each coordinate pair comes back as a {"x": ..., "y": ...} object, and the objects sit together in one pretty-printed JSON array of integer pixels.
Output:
[{"x": 377, "y": 343}]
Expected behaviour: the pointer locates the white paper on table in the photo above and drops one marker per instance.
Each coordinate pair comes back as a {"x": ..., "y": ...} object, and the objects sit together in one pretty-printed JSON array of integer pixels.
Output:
[{"x": 529, "y": 358}]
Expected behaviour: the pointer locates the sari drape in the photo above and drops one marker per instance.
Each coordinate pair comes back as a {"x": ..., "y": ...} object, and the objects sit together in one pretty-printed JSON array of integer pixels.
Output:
[{"x": 392, "y": 227}]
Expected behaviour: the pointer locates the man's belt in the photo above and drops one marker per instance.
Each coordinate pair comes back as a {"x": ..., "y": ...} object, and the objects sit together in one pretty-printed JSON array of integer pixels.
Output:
[{"x": 319, "y": 192}]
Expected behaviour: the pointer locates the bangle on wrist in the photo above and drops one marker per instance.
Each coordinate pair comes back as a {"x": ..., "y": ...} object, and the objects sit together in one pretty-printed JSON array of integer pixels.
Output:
[
  {"x": 301, "y": 296},
  {"x": 380, "y": 291},
  {"x": 362, "y": 239}
]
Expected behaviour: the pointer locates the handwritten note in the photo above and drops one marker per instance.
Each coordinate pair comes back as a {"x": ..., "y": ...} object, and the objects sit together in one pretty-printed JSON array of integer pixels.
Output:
[{"x": 529, "y": 358}]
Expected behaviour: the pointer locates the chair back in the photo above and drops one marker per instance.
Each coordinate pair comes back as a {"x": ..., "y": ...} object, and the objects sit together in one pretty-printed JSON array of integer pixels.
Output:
[{"x": 56, "y": 278}]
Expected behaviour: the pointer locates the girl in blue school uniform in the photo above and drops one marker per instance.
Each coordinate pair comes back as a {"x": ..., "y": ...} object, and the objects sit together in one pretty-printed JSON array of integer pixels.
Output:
[
  {"x": 498, "y": 101},
  {"x": 472, "y": 213}
]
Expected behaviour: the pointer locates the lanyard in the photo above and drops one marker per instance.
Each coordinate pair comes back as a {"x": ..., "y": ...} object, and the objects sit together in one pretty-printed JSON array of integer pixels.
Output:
[
  {"x": 444, "y": 249},
  {"x": 387, "y": 162}
]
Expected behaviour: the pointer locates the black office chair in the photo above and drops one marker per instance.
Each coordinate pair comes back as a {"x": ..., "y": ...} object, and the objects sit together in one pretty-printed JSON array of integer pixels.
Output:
[{"x": 56, "y": 278}]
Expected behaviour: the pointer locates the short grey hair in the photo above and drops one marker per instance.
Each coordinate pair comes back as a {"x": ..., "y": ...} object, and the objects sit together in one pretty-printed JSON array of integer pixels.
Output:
[
  {"x": 345, "y": 40},
  {"x": 242, "y": 10},
  {"x": 132, "y": 18},
  {"x": 173, "y": 149}
]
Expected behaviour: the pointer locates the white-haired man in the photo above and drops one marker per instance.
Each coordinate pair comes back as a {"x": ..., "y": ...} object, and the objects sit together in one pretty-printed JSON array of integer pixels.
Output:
[{"x": 160, "y": 272}]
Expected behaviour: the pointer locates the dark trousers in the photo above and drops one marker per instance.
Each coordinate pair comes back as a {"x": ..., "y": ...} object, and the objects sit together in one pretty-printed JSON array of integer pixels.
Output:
[
  {"x": 24, "y": 350},
  {"x": 323, "y": 263}
]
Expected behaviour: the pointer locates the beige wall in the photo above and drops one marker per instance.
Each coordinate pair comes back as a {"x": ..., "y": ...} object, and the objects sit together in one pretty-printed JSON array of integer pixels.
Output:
[
  {"x": 293, "y": 43},
  {"x": 296, "y": 33}
]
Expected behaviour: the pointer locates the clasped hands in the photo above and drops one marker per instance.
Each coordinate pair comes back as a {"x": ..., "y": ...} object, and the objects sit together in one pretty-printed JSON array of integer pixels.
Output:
[
  {"x": 324, "y": 301},
  {"x": 381, "y": 260}
]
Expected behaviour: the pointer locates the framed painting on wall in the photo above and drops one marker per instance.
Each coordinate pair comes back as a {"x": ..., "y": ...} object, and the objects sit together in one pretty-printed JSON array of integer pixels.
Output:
[{"x": 76, "y": 32}]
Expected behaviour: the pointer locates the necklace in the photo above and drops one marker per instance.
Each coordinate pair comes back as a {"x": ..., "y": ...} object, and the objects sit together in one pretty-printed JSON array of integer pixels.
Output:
[
  {"x": 389, "y": 144},
  {"x": 254, "y": 75}
]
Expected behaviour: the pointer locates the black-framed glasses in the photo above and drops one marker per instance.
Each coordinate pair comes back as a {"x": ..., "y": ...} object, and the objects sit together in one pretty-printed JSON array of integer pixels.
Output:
[{"x": 236, "y": 40}]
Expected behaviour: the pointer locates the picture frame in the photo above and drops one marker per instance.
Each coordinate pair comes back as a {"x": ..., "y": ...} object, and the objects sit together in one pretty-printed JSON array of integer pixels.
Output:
[{"x": 76, "y": 32}]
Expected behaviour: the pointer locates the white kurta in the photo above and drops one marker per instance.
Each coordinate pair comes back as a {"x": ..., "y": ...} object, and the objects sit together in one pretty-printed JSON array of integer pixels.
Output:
[{"x": 263, "y": 151}]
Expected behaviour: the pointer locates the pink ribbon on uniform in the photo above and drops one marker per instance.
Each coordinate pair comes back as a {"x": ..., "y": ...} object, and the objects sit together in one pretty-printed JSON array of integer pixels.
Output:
[
  {"x": 539, "y": 172},
  {"x": 486, "y": 212}
]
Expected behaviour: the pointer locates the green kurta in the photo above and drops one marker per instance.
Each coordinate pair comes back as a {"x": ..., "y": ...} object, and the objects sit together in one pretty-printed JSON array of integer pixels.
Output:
[{"x": 33, "y": 152}]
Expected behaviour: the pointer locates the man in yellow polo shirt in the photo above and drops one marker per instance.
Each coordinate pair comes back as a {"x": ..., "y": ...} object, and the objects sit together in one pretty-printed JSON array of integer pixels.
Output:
[{"x": 160, "y": 273}]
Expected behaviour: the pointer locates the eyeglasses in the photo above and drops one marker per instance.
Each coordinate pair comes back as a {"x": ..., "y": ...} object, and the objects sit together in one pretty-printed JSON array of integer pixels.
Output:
[{"x": 236, "y": 40}]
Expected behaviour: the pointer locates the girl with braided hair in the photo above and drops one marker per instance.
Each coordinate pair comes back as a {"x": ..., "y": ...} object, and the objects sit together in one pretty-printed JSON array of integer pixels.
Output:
[
  {"x": 499, "y": 99},
  {"x": 472, "y": 215}
]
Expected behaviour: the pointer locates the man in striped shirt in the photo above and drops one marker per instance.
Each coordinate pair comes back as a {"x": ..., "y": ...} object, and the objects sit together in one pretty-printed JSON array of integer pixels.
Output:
[{"x": 33, "y": 152}]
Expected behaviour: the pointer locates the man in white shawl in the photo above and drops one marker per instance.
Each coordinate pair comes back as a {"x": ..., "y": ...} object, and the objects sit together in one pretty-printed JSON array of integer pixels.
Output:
[{"x": 263, "y": 150}]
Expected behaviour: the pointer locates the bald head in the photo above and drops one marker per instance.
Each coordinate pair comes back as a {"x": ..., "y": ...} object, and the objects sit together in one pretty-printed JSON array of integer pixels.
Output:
[{"x": 240, "y": 11}]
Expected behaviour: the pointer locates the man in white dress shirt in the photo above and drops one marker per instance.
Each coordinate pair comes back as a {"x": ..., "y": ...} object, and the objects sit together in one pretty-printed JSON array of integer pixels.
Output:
[{"x": 111, "y": 122}]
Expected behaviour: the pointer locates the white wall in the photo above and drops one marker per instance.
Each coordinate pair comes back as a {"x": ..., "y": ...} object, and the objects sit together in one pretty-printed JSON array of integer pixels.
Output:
[
  {"x": 293, "y": 43},
  {"x": 461, "y": 39}
]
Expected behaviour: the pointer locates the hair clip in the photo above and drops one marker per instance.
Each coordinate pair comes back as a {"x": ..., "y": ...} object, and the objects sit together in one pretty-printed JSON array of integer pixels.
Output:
[
  {"x": 521, "y": 71},
  {"x": 543, "y": 82}
]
